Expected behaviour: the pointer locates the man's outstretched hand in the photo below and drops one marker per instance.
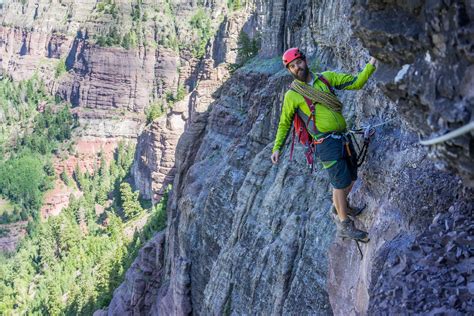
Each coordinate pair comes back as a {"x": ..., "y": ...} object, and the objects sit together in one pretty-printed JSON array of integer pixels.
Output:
[
  {"x": 372, "y": 61},
  {"x": 275, "y": 156}
]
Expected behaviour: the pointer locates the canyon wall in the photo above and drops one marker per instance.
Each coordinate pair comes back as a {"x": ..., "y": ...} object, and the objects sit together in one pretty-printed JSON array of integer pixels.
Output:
[{"x": 245, "y": 236}]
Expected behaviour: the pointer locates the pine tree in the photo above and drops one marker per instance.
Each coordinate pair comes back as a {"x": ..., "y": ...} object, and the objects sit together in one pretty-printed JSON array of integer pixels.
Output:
[
  {"x": 78, "y": 176},
  {"x": 130, "y": 204},
  {"x": 65, "y": 178}
]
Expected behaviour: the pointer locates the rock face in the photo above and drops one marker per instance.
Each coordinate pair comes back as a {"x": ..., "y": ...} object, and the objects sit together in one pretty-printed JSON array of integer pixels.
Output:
[
  {"x": 431, "y": 52},
  {"x": 119, "y": 81},
  {"x": 434, "y": 272},
  {"x": 109, "y": 78},
  {"x": 153, "y": 167},
  {"x": 248, "y": 237}
]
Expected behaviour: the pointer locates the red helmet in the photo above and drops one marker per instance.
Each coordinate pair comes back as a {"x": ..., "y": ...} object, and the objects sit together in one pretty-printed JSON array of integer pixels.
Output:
[{"x": 292, "y": 54}]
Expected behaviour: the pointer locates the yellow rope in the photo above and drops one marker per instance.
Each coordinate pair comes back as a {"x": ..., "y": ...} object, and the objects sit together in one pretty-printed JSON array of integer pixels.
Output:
[{"x": 317, "y": 96}]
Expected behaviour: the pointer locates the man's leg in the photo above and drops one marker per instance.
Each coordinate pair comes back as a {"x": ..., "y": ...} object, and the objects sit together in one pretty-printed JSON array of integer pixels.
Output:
[
  {"x": 345, "y": 227},
  {"x": 349, "y": 188},
  {"x": 339, "y": 197}
]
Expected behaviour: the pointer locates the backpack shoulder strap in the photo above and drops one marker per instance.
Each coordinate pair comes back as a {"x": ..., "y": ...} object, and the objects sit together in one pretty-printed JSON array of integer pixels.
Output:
[
  {"x": 312, "y": 109},
  {"x": 309, "y": 103},
  {"x": 312, "y": 116},
  {"x": 326, "y": 82}
]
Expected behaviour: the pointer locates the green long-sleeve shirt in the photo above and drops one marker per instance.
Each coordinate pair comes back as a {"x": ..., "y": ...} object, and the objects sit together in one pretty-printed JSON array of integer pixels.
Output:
[{"x": 326, "y": 119}]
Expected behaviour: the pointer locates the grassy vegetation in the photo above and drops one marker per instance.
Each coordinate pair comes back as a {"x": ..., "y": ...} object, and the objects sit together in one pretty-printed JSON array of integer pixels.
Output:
[
  {"x": 154, "y": 111},
  {"x": 146, "y": 19},
  {"x": 173, "y": 98},
  {"x": 130, "y": 40},
  {"x": 112, "y": 38},
  {"x": 107, "y": 7},
  {"x": 115, "y": 36},
  {"x": 18, "y": 102}
]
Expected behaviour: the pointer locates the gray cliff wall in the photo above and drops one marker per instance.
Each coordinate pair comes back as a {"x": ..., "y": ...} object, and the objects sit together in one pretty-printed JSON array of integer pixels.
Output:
[{"x": 248, "y": 237}]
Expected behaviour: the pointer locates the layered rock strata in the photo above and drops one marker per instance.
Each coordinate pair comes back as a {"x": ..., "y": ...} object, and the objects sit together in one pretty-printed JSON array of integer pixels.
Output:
[{"x": 153, "y": 168}]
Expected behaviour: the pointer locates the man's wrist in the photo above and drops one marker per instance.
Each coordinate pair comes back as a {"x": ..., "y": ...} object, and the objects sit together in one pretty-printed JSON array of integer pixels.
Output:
[{"x": 372, "y": 61}]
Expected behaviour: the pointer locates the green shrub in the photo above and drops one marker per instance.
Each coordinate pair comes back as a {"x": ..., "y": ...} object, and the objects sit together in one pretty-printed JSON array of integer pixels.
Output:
[
  {"x": 181, "y": 93},
  {"x": 136, "y": 12},
  {"x": 60, "y": 68},
  {"x": 49, "y": 129},
  {"x": 130, "y": 40},
  {"x": 107, "y": 7},
  {"x": 112, "y": 38},
  {"x": 129, "y": 200},
  {"x": 100, "y": 7},
  {"x": 4, "y": 231},
  {"x": 235, "y": 5},
  {"x": 157, "y": 220},
  {"x": 247, "y": 48},
  {"x": 154, "y": 111}
]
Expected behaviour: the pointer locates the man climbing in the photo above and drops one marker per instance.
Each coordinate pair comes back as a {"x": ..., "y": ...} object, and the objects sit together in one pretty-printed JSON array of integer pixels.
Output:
[{"x": 311, "y": 96}]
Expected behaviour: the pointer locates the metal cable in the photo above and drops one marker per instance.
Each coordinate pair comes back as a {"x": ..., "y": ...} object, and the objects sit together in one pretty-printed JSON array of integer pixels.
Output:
[{"x": 457, "y": 132}]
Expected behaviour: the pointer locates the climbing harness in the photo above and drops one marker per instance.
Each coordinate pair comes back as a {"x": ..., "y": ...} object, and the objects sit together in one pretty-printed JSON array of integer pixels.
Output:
[
  {"x": 347, "y": 137},
  {"x": 367, "y": 133}
]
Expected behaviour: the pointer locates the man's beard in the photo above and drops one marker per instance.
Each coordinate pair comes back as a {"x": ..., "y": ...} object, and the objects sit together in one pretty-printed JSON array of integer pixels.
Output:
[{"x": 302, "y": 74}]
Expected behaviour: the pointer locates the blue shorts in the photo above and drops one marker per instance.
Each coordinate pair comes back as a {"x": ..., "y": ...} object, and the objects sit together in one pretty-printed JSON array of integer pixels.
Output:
[{"x": 341, "y": 167}]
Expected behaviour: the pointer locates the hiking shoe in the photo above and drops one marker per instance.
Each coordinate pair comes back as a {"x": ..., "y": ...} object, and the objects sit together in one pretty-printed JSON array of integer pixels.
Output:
[
  {"x": 351, "y": 210},
  {"x": 346, "y": 229},
  {"x": 355, "y": 211}
]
